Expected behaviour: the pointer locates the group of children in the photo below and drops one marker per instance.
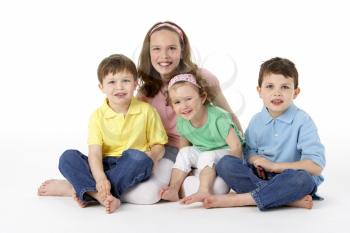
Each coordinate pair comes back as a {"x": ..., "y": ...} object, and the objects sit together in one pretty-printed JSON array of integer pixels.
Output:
[{"x": 181, "y": 116}]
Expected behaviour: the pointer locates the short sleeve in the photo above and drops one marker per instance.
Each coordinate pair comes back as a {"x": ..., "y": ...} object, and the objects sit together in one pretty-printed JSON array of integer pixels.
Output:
[
  {"x": 309, "y": 143},
  {"x": 223, "y": 124},
  {"x": 95, "y": 136},
  {"x": 156, "y": 133}
]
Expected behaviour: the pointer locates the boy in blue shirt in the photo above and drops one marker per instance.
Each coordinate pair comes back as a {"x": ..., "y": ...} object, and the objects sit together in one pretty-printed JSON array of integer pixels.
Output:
[{"x": 284, "y": 157}]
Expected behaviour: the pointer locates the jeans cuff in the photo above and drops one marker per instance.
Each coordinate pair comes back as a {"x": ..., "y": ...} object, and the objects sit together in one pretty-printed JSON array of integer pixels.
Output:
[
  {"x": 256, "y": 197},
  {"x": 86, "y": 198}
]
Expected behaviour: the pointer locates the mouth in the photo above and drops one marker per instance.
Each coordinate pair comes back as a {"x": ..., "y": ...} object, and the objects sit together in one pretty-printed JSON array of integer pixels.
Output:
[
  {"x": 186, "y": 112},
  {"x": 165, "y": 64},
  {"x": 120, "y": 94},
  {"x": 277, "y": 102}
]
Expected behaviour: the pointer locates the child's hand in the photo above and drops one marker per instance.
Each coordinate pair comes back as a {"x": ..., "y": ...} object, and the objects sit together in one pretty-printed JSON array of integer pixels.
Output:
[
  {"x": 261, "y": 173},
  {"x": 262, "y": 164},
  {"x": 103, "y": 187}
]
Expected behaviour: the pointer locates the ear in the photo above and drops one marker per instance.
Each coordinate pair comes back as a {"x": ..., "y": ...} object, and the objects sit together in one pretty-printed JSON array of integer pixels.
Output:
[
  {"x": 296, "y": 92},
  {"x": 204, "y": 97},
  {"x": 137, "y": 84},
  {"x": 100, "y": 86},
  {"x": 258, "y": 89}
]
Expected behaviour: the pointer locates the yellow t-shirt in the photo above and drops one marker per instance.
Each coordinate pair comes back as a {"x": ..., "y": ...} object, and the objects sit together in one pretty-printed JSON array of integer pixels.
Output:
[{"x": 139, "y": 129}]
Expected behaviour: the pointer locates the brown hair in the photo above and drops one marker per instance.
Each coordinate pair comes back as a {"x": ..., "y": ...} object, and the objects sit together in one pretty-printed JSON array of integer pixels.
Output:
[
  {"x": 151, "y": 82},
  {"x": 114, "y": 64},
  {"x": 202, "y": 83},
  {"x": 281, "y": 66}
]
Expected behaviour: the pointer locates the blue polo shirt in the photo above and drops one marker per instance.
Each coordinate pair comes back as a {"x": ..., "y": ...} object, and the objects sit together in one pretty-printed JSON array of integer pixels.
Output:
[{"x": 288, "y": 138}]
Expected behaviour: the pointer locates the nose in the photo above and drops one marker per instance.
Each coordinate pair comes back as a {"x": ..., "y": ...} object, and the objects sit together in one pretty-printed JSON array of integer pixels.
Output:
[
  {"x": 185, "y": 105},
  {"x": 164, "y": 53},
  {"x": 277, "y": 93},
  {"x": 118, "y": 85}
]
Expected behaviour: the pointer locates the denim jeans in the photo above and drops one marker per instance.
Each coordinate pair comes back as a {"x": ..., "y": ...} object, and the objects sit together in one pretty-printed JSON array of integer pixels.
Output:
[
  {"x": 124, "y": 172},
  {"x": 277, "y": 190}
]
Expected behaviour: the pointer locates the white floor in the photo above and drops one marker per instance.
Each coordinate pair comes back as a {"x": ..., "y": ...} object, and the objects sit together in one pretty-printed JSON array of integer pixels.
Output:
[{"x": 23, "y": 211}]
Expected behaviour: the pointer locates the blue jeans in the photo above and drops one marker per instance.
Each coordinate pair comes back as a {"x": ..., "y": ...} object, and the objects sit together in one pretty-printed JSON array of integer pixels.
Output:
[
  {"x": 124, "y": 172},
  {"x": 278, "y": 190}
]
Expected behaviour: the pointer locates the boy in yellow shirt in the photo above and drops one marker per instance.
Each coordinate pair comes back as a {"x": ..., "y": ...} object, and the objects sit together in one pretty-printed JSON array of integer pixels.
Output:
[{"x": 126, "y": 139}]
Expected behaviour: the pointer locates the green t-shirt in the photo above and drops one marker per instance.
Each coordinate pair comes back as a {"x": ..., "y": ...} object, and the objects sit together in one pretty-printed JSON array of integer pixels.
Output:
[{"x": 212, "y": 135}]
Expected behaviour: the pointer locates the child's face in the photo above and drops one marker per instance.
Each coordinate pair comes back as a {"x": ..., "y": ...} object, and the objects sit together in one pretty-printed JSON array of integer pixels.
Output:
[
  {"x": 119, "y": 88},
  {"x": 165, "y": 51},
  {"x": 186, "y": 101},
  {"x": 277, "y": 93}
]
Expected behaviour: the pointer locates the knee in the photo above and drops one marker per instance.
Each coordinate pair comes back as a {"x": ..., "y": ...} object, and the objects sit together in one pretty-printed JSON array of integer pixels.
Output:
[
  {"x": 162, "y": 171},
  {"x": 137, "y": 157},
  {"x": 302, "y": 181},
  {"x": 68, "y": 157},
  {"x": 227, "y": 163},
  {"x": 220, "y": 187}
]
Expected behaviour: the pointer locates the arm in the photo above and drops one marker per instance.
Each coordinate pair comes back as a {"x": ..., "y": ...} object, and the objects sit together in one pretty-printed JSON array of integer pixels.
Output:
[
  {"x": 184, "y": 142},
  {"x": 234, "y": 143},
  {"x": 221, "y": 101},
  {"x": 307, "y": 165},
  {"x": 156, "y": 152},
  {"x": 103, "y": 185}
]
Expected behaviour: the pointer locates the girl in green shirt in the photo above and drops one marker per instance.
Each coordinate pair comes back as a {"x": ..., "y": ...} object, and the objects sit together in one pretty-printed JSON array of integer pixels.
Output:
[{"x": 207, "y": 134}]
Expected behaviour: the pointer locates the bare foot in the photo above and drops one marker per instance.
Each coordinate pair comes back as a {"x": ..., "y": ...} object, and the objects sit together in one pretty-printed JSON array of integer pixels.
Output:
[
  {"x": 305, "y": 202},
  {"x": 80, "y": 202},
  {"x": 169, "y": 194},
  {"x": 56, "y": 188},
  {"x": 228, "y": 200},
  {"x": 196, "y": 197},
  {"x": 111, "y": 203}
]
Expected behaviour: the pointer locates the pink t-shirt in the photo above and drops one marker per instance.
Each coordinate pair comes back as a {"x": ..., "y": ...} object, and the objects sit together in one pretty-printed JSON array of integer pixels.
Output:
[{"x": 168, "y": 115}]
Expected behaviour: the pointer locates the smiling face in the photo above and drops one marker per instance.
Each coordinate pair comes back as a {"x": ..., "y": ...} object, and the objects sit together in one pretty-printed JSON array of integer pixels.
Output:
[
  {"x": 165, "y": 51},
  {"x": 119, "y": 89},
  {"x": 187, "y": 102},
  {"x": 277, "y": 93}
]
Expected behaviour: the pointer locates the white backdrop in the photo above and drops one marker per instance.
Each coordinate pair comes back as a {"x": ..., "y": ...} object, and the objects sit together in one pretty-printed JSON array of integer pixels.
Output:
[{"x": 50, "y": 50}]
